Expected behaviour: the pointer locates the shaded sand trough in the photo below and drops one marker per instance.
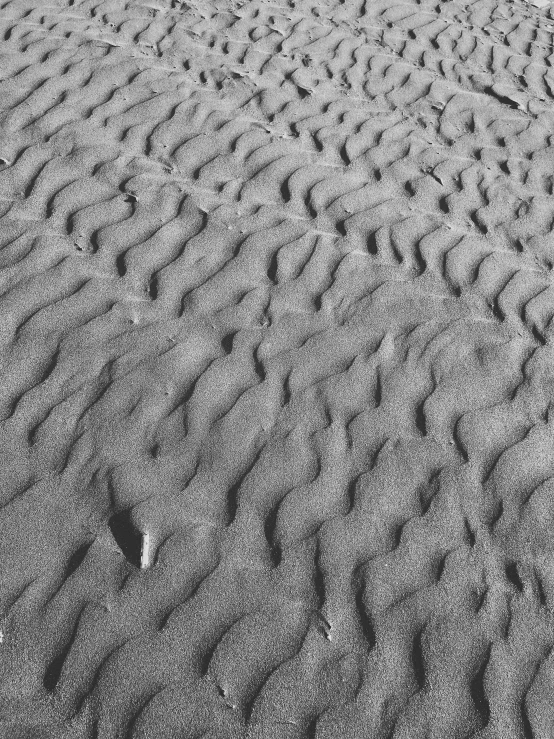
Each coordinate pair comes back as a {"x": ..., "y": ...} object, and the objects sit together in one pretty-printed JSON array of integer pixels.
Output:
[{"x": 276, "y": 430}]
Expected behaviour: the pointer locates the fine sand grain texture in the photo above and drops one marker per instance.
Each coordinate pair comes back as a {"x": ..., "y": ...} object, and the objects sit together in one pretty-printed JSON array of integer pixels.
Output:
[{"x": 277, "y": 369}]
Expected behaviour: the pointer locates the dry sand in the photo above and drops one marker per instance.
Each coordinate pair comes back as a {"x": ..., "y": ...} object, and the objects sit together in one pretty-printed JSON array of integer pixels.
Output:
[{"x": 277, "y": 369}]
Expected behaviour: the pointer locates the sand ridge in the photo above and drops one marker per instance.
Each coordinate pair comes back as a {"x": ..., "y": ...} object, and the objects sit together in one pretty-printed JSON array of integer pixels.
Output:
[{"x": 275, "y": 402}]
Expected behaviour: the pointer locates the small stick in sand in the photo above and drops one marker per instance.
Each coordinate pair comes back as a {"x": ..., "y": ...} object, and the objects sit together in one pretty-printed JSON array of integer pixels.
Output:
[{"x": 145, "y": 551}]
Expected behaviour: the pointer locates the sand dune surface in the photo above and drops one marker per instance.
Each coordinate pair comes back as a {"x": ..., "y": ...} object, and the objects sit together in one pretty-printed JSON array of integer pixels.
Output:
[{"x": 277, "y": 369}]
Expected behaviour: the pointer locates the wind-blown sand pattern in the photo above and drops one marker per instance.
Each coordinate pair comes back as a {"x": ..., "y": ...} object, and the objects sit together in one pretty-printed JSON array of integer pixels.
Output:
[{"x": 277, "y": 442}]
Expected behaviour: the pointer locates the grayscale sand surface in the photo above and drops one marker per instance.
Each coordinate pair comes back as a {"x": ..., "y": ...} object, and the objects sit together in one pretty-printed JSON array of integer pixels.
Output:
[{"x": 277, "y": 369}]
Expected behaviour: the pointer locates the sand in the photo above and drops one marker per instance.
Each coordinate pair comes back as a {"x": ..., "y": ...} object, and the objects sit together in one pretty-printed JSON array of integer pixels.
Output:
[{"x": 277, "y": 369}]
